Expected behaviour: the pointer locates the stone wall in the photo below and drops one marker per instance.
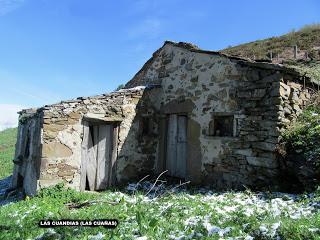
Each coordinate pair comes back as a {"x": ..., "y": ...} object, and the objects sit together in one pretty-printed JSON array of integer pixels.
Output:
[
  {"x": 28, "y": 152},
  {"x": 294, "y": 97}
]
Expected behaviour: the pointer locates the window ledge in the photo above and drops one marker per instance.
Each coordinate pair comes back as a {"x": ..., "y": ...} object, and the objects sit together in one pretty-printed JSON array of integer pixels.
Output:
[{"x": 220, "y": 137}]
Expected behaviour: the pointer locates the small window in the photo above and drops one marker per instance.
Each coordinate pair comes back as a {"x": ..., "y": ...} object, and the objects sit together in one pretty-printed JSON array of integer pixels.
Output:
[{"x": 222, "y": 126}]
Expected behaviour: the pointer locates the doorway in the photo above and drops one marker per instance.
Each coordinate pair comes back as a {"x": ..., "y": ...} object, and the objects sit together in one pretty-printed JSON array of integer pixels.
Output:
[
  {"x": 99, "y": 153},
  {"x": 176, "y": 154}
]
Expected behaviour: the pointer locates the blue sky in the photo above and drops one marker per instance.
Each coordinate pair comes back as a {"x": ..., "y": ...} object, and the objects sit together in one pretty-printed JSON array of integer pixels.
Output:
[{"x": 60, "y": 49}]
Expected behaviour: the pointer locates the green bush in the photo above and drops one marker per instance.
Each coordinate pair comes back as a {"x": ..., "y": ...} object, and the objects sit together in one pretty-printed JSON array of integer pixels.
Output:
[
  {"x": 62, "y": 194},
  {"x": 303, "y": 136},
  {"x": 119, "y": 87}
]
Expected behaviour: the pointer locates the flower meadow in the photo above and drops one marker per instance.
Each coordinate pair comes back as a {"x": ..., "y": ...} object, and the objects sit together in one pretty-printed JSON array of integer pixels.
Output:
[{"x": 158, "y": 211}]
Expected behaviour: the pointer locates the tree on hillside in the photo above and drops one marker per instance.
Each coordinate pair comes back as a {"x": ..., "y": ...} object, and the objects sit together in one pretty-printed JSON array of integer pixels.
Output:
[{"x": 120, "y": 87}]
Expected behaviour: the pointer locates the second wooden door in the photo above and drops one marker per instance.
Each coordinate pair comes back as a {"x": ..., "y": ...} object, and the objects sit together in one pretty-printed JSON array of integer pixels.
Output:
[{"x": 176, "y": 157}]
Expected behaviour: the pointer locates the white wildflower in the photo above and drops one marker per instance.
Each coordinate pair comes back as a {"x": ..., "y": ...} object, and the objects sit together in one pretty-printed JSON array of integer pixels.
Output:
[
  {"x": 248, "y": 212},
  {"x": 192, "y": 221},
  {"x": 248, "y": 238},
  {"x": 296, "y": 215},
  {"x": 274, "y": 228},
  {"x": 99, "y": 236},
  {"x": 245, "y": 225},
  {"x": 276, "y": 225},
  {"x": 230, "y": 208},
  {"x": 50, "y": 214},
  {"x": 51, "y": 230},
  {"x": 211, "y": 229},
  {"x": 220, "y": 211},
  {"x": 15, "y": 214},
  {"x": 263, "y": 229},
  {"x": 141, "y": 238},
  {"x": 224, "y": 231}
]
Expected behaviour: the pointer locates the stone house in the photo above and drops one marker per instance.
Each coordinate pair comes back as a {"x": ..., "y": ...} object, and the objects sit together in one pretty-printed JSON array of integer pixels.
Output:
[{"x": 204, "y": 116}]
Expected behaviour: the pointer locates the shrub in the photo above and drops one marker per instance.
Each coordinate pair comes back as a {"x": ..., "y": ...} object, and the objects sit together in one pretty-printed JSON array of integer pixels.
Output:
[
  {"x": 310, "y": 27},
  {"x": 119, "y": 87},
  {"x": 303, "y": 136},
  {"x": 62, "y": 194}
]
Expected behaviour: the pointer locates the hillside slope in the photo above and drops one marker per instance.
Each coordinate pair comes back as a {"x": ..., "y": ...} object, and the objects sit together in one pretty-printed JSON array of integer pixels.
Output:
[
  {"x": 7, "y": 147},
  {"x": 307, "y": 39},
  {"x": 281, "y": 50}
]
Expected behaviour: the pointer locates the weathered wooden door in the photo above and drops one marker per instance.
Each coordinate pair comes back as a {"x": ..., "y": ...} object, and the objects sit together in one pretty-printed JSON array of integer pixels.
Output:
[
  {"x": 98, "y": 156},
  {"x": 176, "y": 159}
]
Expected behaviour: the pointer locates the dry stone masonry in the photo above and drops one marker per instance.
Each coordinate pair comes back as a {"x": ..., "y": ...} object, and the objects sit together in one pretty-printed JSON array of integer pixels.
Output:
[{"x": 203, "y": 116}]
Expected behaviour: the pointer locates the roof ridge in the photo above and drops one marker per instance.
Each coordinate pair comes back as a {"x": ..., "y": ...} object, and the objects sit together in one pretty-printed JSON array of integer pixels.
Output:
[{"x": 194, "y": 48}]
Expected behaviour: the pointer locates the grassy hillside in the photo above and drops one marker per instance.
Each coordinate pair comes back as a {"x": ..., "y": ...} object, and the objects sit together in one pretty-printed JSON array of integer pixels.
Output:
[
  {"x": 307, "y": 38},
  {"x": 7, "y": 147}
]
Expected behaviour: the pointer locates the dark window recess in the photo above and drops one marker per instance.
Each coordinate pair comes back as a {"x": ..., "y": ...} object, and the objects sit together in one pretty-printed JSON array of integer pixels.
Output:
[
  {"x": 145, "y": 126},
  {"x": 92, "y": 133},
  {"x": 20, "y": 180},
  {"x": 27, "y": 149},
  {"x": 221, "y": 126},
  {"x": 87, "y": 184}
]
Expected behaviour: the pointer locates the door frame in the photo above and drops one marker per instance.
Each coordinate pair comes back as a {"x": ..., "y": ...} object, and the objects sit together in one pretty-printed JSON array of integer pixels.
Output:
[
  {"x": 86, "y": 123},
  {"x": 164, "y": 141}
]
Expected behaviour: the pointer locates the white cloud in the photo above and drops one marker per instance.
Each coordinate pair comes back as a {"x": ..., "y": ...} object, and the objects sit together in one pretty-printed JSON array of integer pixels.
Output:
[
  {"x": 8, "y": 115},
  {"x": 149, "y": 28},
  {"x": 139, "y": 7},
  {"x": 7, "y": 6}
]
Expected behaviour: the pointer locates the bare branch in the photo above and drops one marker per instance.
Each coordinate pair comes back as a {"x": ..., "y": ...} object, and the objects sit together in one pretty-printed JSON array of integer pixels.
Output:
[
  {"x": 140, "y": 182},
  {"x": 87, "y": 203},
  {"x": 154, "y": 184},
  {"x": 172, "y": 189}
]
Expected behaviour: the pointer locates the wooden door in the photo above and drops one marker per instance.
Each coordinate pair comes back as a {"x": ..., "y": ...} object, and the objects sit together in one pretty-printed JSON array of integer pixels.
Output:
[
  {"x": 98, "y": 156},
  {"x": 91, "y": 167},
  {"x": 182, "y": 147},
  {"x": 104, "y": 154},
  {"x": 176, "y": 159}
]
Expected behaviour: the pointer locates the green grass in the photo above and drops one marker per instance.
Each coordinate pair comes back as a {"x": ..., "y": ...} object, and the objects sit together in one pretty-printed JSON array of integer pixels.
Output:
[
  {"x": 7, "y": 147},
  {"x": 182, "y": 215}
]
